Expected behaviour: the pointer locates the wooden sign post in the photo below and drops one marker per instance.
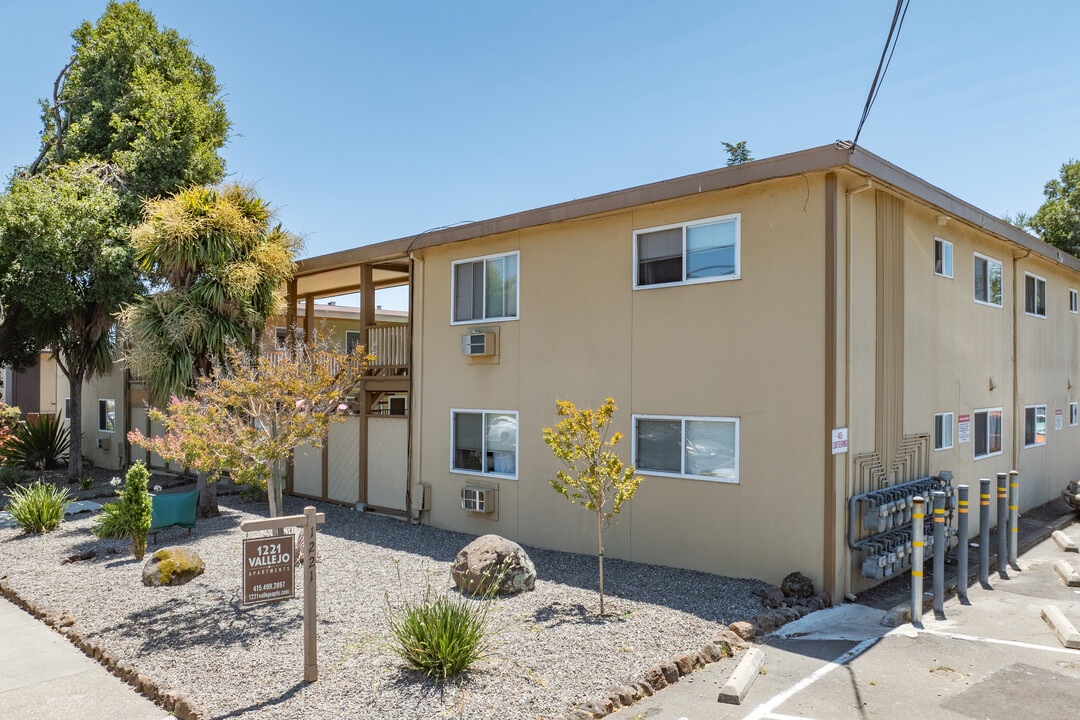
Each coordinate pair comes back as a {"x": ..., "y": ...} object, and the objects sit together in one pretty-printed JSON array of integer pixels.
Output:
[{"x": 307, "y": 521}]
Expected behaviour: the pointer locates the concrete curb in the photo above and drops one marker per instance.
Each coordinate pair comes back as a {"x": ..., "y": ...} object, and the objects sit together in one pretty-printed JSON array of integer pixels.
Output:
[
  {"x": 1064, "y": 541},
  {"x": 1067, "y": 573},
  {"x": 172, "y": 702},
  {"x": 1061, "y": 626},
  {"x": 901, "y": 613},
  {"x": 745, "y": 674}
]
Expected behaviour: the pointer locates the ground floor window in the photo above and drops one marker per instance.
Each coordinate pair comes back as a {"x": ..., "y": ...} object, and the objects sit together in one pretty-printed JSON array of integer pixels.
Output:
[
  {"x": 484, "y": 442},
  {"x": 943, "y": 431},
  {"x": 692, "y": 447},
  {"x": 1074, "y": 413},
  {"x": 107, "y": 415},
  {"x": 987, "y": 432},
  {"x": 1034, "y": 425}
]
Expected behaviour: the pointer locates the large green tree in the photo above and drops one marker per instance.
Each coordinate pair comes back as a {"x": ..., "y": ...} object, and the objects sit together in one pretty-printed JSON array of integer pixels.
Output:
[
  {"x": 217, "y": 258},
  {"x": 135, "y": 107},
  {"x": 1058, "y": 220}
]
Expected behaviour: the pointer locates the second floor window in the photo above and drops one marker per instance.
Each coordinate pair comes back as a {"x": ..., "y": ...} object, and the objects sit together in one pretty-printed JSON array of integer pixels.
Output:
[
  {"x": 701, "y": 251},
  {"x": 486, "y": 288}
]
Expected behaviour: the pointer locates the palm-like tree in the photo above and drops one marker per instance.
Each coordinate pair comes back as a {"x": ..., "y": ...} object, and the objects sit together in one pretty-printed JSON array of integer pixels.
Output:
[{"x": 217, "y": 258}]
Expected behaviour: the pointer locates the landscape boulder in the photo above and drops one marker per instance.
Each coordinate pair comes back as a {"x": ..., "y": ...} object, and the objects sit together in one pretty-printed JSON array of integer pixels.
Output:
[
  {"x": 489, "y": 559},
  {"x": 797, "y": 585},
  {"x": 172, "y": 566},
  {"x": 772, "y": 596}
]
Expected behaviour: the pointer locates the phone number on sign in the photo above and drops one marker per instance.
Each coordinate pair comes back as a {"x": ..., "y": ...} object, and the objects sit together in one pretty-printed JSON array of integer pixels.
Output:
[{"x": 268, "y": 586}]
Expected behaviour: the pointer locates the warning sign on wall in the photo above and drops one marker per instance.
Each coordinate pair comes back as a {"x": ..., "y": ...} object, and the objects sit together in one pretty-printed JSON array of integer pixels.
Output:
[
  {"x": 963, "y": 432},
  {"x": 839, "y": 441},
  {"x": 1057, "y": 419}
]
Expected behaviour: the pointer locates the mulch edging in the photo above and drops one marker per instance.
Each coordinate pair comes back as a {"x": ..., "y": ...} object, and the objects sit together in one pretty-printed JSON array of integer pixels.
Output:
[{"x": 64, "y": 624}]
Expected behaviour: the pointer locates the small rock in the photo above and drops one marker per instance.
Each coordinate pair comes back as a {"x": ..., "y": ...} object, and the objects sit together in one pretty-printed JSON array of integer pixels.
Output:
[
  {"x": 772, "y": 596},
  {"x": 656, "y": 679},
  {"x": 579, "y": 715},
  {"x": 711, "y": 652},
  {"x": 172, "y": 566},
  {"x": 825, "y": 598},
  {"x": 744, "y": 630},
  {"x": 184, "y": 711},
  {"x": 482, "y": 561},
  {"x": 724, "y": 635},
  {"x": 88, "y": 555},
  {"x": 671, "y": 672},
  {"x": 599, "y": 708},
  {"x": 683, "y": 664},
  {"x": 66, "y": 620},
  {"x": 697, "y": 662},
  {"x": 768, "y": 621},
  {"x": 801, "y": 610},
  {"x": 788, "y": 614},
  {"x": 645, "y": 688},
  {"x": 625, "y": 695},
  {"x": 814, "y": 604},
  {"x": 797, "y": 585}
]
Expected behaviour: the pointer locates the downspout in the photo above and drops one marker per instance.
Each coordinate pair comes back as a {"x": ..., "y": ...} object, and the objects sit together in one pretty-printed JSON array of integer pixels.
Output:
[
  {"x": 1017, "y": 427},
  {"x": 848, "y": 238},
  {"x": 829, "y": 547},
  {"x": 412, "y": 405}
]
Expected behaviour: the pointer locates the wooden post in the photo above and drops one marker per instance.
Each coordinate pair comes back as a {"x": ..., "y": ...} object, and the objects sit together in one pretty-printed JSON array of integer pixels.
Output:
[{"x": 311, "y": 659}]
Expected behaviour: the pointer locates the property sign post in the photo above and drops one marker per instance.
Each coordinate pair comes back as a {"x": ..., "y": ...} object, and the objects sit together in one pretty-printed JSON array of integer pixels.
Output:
[{"x": 273, "y": 551}]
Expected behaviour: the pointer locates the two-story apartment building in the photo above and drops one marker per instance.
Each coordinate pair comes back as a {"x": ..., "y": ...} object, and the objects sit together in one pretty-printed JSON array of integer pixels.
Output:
[{"x": 738, "y": 317}]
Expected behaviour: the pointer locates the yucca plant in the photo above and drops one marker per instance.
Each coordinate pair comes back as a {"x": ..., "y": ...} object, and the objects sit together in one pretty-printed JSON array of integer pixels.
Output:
[
  {"x": 38, "y": 507},
  {"x": 442, "y": 634},
  {"x": 12, "y": 476},
  {"x": 41, "y": 443}
]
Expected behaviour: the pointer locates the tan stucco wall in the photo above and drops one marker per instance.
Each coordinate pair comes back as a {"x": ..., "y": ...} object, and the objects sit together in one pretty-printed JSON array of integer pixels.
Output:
[
  {"x": 750, "y": 348},
  {"x": 109, "y": 386}
]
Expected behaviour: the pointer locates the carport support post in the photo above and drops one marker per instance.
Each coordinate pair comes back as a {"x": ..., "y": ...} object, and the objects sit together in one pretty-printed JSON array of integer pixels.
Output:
[
  {"x": 917, "y": 514},
  {"x": 984, "y": 532},
  {"x": 962, "y": 548},
  {"x": 939, "y": 551},
  {"x": 1002, "y": 525},
  {"x": 1014, "y": 516}
]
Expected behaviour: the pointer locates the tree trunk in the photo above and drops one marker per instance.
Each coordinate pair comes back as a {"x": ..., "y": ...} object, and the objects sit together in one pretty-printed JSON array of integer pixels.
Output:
[
  {"x": 208, "y": 507},
  {"x": 600, "y": 545},
  {"x": 274, "y": 493},
  {"x": 75, "y": 466}
]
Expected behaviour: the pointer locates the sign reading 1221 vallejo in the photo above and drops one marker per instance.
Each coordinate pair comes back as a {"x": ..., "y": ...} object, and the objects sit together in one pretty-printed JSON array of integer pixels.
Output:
[{"x": 268, "y": 569}]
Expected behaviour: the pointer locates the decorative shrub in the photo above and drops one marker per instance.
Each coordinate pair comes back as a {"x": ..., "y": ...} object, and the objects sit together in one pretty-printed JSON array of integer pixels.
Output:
[
  {"x": 39, "y": 444},
  {"x": 85, "y": 482},
  {"x": 128, "y": 517},
  {"x": 38, "y": 508},
  {"x": 12, "y": 476},
  {"x": 10, "y": 416},
  {"x": 441, "y": 635}
]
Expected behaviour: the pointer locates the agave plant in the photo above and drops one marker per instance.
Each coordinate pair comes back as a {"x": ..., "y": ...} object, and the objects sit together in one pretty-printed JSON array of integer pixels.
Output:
[{"x": 39, "y": 444}]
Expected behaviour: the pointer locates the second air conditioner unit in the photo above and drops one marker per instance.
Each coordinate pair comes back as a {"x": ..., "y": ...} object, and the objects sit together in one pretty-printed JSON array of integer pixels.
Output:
[
  {"x": 478, "y": 344},
  {"x": 478, "y": 499}
]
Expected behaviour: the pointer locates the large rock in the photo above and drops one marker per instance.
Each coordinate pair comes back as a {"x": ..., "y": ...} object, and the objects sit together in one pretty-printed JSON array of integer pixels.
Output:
[
  {"x": 172, "y": 566},
  {"x": 487, "y": 559},
  {"x": 797, "y": 585},
  {"x": 772, "y": 596}
]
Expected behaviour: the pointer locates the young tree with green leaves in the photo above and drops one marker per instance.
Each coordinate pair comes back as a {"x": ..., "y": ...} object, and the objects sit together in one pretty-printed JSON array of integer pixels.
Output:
[
  {"x": 218, "y": 259},
  {"x": 249, "y": 414},
  {"x": 135, "y": 110},
  {"x": 597, "y": 479}
]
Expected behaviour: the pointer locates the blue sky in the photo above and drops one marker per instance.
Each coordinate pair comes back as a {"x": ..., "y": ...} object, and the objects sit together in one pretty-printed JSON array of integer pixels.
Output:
[{"x": 367, "y": 121}]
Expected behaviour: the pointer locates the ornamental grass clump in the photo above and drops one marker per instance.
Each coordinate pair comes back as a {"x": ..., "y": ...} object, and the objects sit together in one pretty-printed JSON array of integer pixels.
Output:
[
  {"x": 441, "y": 634},
  {"x": 38, "y": 507},
  {"x": 128, "y": 517}
]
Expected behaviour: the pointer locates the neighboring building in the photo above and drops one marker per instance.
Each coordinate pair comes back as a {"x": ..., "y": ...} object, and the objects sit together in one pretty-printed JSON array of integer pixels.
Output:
[{"x": 737, "y": 316}]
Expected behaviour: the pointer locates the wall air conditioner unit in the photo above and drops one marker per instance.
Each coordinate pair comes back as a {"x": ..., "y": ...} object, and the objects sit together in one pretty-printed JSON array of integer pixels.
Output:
[
  {"x": 104, "y": 444},
  {"x": 478, "y": 499},
  {"x": 478, "y": 344}
]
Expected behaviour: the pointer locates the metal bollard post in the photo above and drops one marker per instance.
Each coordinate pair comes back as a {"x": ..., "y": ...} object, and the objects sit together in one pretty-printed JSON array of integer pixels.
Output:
[
  {"x": 984, "y": 532},
  {"x": 1002, "y": 525},
  {"x": 1014, "y": 516},
  {"x": 917, "y": 514},
  {"x": 962, "y": 548},
  {"x": 939, "y": 551}
]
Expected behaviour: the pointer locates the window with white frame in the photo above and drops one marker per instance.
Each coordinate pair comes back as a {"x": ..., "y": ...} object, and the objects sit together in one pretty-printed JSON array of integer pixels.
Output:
[
  {"x": 1074, "y": 413},
  {"x": 1074, "y": 304},
  {"x": 484, "y": 442},
  {"x": 107, "y": 415},
  {"x": 67, "y": 408},
  {"x": 485, "y": 288},
  {"x": 352, "y": 339},
  {"x": 942, "y": 257},
  {"x": 691, "y": 447},
  {"x": 701, "y": 251},
  {"x": 1034, "y": 295},
  {"x": 987, "y": 434},
  {"x": 987, "y": 280},
  {"x": 1034, "y": 425},
  {"x": 943, "y": 431}
]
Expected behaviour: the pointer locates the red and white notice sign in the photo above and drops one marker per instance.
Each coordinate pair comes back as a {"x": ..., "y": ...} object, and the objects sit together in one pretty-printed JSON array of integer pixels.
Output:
[
  {"x": 963, "y": 425},
  {"x": 839, "y": 440}
]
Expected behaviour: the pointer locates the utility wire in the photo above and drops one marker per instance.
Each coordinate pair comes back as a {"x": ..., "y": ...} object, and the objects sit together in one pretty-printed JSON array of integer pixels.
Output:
[{"x": 883, "y": 67}]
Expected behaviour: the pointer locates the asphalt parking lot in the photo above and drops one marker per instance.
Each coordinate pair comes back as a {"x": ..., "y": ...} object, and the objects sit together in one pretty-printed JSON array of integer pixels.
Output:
[{"x": 992, "y": 658}]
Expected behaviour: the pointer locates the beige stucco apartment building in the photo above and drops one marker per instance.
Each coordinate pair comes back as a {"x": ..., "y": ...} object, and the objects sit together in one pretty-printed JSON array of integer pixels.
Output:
[{"x": 738, "y": 317}]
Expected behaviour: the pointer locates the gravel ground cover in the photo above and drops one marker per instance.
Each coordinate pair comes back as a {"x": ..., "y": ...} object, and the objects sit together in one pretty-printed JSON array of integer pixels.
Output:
[{"x": 552, "y": 652}]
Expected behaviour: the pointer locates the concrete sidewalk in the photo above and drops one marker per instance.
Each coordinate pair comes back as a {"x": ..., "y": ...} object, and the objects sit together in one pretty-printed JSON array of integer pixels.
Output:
[
  {"x": 993, "y": 658},
  {"x": 45, "y": 677}
]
